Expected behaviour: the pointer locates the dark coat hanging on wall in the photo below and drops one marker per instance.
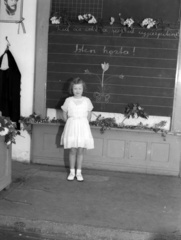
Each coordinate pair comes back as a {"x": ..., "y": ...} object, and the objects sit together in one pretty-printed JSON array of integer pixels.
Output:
[{"x": 10, "y": 81}]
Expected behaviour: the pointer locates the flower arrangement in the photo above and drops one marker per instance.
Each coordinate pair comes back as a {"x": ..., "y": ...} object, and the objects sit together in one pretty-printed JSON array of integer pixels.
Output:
[
  {"x": 55, "y": 20},
  {"x": 62, "y": 19},
  {"x": 88, "y": 18},
  {"x": 126, "y": 23},
  {"x": 112, "y": 20},
  {"x": 8, "y": 130},
  {"x": 135, "y": 110},
  {"x": 149, "y": 23}
]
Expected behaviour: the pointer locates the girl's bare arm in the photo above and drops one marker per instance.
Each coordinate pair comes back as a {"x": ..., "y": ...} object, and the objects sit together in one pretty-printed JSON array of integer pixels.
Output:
[
  {"x": 89, "y": 116},
  {"x": 65, "y": 116}
]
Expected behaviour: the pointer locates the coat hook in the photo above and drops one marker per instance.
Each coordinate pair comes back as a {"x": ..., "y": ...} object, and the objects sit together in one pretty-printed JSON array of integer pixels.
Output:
[{"x": 8, "y": 43}]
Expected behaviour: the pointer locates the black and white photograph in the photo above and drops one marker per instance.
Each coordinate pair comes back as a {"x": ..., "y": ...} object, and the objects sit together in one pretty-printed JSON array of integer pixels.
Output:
[
  {"x": 11, "y": 10},
  {"x": 90, "y": 120}
]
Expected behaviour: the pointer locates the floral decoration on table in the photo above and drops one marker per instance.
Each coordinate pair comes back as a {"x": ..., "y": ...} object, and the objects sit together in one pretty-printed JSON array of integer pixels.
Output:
[
  {"x": 35, "y": 118},
  {"x": 8, "y": 130}
]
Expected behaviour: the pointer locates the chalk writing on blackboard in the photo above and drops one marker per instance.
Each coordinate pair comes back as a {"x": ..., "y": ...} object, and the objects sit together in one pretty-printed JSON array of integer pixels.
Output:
[
  {"x": 81, "y": 48},
  {"x": 158, "y": 35},
  {"x": 118, "y": 31},
  {"x": 119, "y": 51},
  {"x": 103, "y": 93},
  {"x": 146, "y": 59}
]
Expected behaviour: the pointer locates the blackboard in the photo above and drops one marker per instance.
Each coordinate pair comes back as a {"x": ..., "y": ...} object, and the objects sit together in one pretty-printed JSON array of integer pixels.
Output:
[
  {"x": 142, "y": 66},
  {"x": 167, "y": 10}
]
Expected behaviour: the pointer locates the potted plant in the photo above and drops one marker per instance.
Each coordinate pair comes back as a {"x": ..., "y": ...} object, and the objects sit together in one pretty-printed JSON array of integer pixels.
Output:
[{"x": 8, "y": 132}]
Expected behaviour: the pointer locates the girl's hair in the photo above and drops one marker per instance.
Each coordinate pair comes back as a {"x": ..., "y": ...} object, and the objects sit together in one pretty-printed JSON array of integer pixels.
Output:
[{"x": 76, "y": 81}]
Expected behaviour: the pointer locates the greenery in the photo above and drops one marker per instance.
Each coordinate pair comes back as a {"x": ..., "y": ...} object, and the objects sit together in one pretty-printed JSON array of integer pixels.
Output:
[
  {"x": 108, "y": 123},
  {"x": 131, "y": 110},
  {"x": 8, "y": 130},
  {"x": 35, "y": 118},
  {"x": 134, "y": 110}
]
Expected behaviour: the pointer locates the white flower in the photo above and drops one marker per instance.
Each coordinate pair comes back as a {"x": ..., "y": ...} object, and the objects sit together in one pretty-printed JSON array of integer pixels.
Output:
[
  {"x": 92, "y": 20},
  {"x": 112, "y": 20},
  {"x": 88, "y": 18},
  {"x": 8, "y": 143},
  {"x": 55, "y": 20},
  {"x": 105, "y": 66},
  {"x": 148, "y": 22},
  {"x": 4, "y": 132},
  {"x": 80, "y": 17},
  {"x": 129, "y": 22}
]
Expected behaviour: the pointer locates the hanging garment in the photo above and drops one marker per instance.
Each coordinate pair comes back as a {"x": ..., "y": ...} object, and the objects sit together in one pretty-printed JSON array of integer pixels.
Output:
[{"x": 10, "y": 87}]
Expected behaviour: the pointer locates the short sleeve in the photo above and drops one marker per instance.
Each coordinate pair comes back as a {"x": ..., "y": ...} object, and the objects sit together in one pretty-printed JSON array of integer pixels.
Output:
[
  {"x": 64, "y": 107},
  {"x": 90, "y": 106}
]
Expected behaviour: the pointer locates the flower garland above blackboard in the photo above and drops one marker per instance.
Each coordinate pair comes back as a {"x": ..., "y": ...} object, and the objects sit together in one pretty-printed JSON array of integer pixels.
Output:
[{"x": 125, "y": 23}]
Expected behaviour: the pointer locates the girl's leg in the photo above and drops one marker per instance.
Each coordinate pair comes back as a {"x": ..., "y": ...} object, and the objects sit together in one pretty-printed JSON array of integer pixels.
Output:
[
  {"x": 72, "y": 157},
  {"x": 72, "y": 160},
  {"x": 80, "y": 157}
]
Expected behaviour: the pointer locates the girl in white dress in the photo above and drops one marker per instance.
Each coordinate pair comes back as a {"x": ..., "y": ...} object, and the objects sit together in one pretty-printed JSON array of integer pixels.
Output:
[{"x": 77, "y": 135}]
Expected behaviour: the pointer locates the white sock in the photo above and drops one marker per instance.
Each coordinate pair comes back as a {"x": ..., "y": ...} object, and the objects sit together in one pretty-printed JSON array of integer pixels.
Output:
[
  {"x": 72, "y": 170},
  {"x": 79, "y": 171}
]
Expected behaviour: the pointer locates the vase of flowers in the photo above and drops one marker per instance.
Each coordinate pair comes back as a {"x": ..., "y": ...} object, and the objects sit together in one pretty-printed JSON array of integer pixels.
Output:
[
  {"x": 8, "y": 133},
  {"x": 8, "y": 130}
]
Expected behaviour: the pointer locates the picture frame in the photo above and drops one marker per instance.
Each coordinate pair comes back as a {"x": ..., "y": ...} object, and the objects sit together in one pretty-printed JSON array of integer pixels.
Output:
[{"x": 11, "y": 10}]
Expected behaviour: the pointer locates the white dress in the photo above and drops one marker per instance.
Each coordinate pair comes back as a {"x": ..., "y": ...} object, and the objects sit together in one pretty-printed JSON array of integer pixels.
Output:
[{"x": 77, "y": 132}]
